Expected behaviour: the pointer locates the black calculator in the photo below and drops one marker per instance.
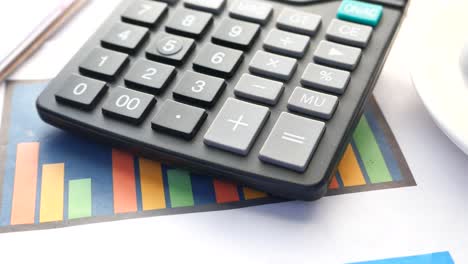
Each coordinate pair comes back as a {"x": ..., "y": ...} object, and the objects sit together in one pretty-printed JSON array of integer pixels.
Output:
[{"x": 265, "y": 93}]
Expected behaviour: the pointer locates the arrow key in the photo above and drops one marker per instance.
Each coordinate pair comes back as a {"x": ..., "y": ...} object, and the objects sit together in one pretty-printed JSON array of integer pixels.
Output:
[{"x": 337, "y": 55}]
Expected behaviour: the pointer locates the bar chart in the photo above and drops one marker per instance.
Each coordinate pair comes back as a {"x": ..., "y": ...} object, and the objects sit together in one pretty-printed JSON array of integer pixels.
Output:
[{"x": 52, "y": 178}]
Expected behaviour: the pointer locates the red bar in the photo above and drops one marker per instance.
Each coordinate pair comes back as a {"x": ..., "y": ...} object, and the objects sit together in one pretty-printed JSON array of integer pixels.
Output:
[
  {"x": 25, "y": 184},
  {"x": 225, "y": 191},
  {"x": 334, "y": 184},
  {"x": 123, "y": 175}
]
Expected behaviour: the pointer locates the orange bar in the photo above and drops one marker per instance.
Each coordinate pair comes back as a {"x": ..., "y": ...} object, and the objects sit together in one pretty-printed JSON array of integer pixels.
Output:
[
  {"x": 25, "y": 183},
  {"x": 250, "y": 194},
  {"x": 152, "y": 187},
  {"x": 52, "y": 187},
  {"x": 350, "y": 172},
  {"x": 225, "y": 191},
  {"x": 334, "y": 184},
  {"x": 123, "y": 175}
]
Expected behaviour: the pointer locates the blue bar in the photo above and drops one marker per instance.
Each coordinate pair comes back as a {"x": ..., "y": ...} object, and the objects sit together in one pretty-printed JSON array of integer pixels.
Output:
[
  {"x": 434, "y": 258},
  {"x": 385, "y": 148},
  {"x": 203, "y": 190}
]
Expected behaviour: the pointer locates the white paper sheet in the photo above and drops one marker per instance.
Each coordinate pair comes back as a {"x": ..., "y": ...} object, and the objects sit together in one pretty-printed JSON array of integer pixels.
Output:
[
  {"x": 430, "y": 217},
  {"x": 65, "y": 43}
]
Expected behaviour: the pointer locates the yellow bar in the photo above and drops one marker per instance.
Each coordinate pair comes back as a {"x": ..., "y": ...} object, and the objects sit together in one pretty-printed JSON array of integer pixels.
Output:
[
  {"x": 52, "y": 186},
  {"x": 152, "y": 187},
  {"x": 349, "y": 169},
  {"x": 250, "y": 194}
]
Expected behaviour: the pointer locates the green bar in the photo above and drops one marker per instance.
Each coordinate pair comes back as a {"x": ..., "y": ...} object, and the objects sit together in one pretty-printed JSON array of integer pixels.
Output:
[
  {"x": 180, "y": 188},
  {"x": 371, "y": 155},
  {"x": 79, "y": 198}
]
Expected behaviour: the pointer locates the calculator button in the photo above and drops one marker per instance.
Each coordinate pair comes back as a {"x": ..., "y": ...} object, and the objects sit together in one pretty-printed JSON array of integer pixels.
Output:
[
  {"x": 360, "y": 12},
  {"x": 236, "y": 33},
  {"x": 145, "y": 13},
  {"x": 236, "y": 126},
  {"x": 212, "y": 6},
  {"x": 312, "y": 103},
  {"x": 299, "y": 22},
  {"x": 171, "y": 2},
  {"x": 349, "y": 33},
  {"x": 189, "y": 23},
  {"x": 250, "y": 10},
  {"x": 81, "y": 92},
  {"x": 170, "y": 49},
  {"x": 286, "y": 43},
  {"x": 125, "y": 38},
  {"x": 218, "y": 60},
  {"x": 104, "y": 64},
  {"x": 337, "y": 55},
  {"x": 199, "y": 89},
  {"x": 272, "y": 65},
  {"x": 259, "y": 89},
  {"x": 129, "y": 105},
  {"x": 150, "y": 76},
  {"x": 292, "y": 142},
  {"x": 325, "y": 78},
  {"x": 178, "y": 119}
]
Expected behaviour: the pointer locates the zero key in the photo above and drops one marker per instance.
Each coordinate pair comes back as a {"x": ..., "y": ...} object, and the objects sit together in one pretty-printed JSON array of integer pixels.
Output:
[
  {"x": 128, "y": 105},
  {"x": 81, "y": 92}
]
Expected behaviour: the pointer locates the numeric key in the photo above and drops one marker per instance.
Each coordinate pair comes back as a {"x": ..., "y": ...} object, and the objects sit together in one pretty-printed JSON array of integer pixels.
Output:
[
  {"x": 235, "y": 33},
  {"x": 150, "y": 76},
  {"x": 129, "y": 105},
  {"x": 125, "y": 38},
  {"x": 144, "y": 13},
  {"x": 104, "y": 64},
  {"x": 218, "y": 60},
  {"x": 170, "y": 49},
  {"x": 199, "y": 89},
  {"x": 81, "y": 92},
  {"x": 189, "y": 23}
]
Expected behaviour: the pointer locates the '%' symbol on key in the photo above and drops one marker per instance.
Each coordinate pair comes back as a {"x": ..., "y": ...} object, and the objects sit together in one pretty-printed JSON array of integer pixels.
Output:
[{"x": 326, "y": 76}]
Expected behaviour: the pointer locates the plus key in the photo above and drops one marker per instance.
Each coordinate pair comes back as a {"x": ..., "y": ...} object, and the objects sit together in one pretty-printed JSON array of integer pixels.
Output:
[{"x": 236, "y": 126}]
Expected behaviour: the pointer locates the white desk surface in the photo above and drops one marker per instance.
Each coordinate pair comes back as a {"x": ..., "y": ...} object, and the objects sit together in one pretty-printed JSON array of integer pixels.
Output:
[{"x": 430, "y": 217}]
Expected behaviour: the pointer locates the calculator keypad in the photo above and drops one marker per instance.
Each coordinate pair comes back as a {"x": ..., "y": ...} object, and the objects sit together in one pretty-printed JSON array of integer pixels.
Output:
[{"x": 188, "y": 55}]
